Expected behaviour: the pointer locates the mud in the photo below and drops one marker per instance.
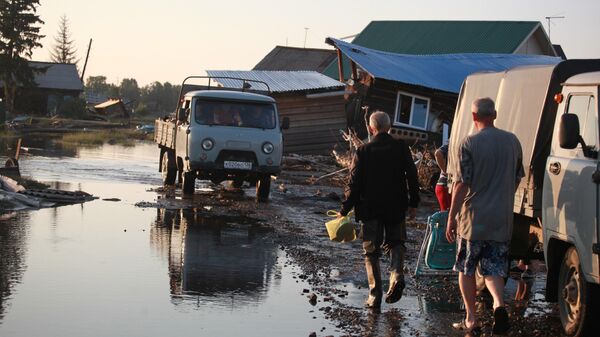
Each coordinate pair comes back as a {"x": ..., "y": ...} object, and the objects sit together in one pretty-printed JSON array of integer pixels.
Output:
[
  {"x": 230, "y": 266},
  {"x": 334, "y": 272}
]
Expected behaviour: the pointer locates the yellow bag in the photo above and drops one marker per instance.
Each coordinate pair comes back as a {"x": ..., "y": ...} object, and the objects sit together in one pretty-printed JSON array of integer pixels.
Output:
[{"x": 340, "y": 229}]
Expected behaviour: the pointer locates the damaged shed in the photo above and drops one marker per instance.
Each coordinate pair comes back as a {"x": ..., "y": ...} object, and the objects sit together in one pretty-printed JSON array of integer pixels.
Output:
[
  {"x": 419, "y": 92},
  {"x": 313, "y": 102}
]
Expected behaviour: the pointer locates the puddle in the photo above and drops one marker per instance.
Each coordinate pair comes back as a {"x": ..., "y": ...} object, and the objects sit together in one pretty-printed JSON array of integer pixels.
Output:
[{"x": 108, "y": 268}]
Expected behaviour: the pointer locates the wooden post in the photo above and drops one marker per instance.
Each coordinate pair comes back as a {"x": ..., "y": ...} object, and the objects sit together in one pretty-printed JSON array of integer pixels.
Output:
[
  {"x": 87, "y": 56},
  {"x": 340, "y": 66},
  {"x": 18, "y": 149}
]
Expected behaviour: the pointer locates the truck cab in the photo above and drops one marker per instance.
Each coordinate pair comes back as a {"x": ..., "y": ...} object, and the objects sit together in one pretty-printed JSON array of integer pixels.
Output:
[
  {"x": 570, "y": 201},
  {"x": 222, "y": 135}
]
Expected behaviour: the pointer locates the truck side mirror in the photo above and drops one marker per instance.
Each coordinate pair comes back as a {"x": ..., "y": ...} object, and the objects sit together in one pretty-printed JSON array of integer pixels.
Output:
[
  {"x": 285, "y": 123},
  {"x": 568, "y": 131}
]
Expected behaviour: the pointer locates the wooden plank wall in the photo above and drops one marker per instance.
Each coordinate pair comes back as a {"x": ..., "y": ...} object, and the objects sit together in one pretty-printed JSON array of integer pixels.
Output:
[{"x": 314, "y": 123}]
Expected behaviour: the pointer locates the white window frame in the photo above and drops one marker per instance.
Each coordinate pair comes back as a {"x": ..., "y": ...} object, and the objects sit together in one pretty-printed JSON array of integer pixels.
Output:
[{"x": 412, "y": 107}]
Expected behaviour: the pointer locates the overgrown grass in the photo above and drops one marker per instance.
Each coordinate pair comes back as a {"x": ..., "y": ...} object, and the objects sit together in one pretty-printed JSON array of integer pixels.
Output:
[{"x": 124, "y": 137}]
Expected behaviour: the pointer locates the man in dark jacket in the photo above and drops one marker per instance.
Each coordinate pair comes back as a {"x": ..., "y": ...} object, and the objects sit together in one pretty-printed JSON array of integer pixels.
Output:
[{"x": 377, "y": 190}]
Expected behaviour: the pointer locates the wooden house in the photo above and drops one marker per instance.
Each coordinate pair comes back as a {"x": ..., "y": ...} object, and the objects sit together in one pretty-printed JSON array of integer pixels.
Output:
[
  {"x": 56, "y": 85},
  {"x": 419, "y": 109},
  {"x": 418, "y": 92}
]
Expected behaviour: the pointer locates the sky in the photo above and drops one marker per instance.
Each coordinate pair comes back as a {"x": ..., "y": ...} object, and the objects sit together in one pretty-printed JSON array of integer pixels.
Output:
[{"x": 158, "y": 40}]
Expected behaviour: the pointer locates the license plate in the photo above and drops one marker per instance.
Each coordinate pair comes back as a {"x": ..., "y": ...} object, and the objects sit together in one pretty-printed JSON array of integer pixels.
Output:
[{"x": 237, "y": 165}]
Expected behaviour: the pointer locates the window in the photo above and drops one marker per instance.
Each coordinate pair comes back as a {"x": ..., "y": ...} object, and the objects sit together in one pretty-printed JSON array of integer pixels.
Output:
[
  {"x": 584, "y": 106},
  {"x": 231, "y": 113},
  {"x": 412, "y": 110}
]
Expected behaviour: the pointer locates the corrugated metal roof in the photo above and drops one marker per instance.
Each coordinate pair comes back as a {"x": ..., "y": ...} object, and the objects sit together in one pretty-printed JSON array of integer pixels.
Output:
[
  {"x": 58, "y": 76},
  {"x": 292, "y": 58},
  {"x": 278, "y": 81},
  {"x": 442, "y": 37},
  {"x": 441, "y": 72},
  {"x": 445, "y": 37}
]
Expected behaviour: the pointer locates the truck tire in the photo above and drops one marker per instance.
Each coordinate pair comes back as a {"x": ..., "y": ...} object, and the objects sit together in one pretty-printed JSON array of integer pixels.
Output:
[
  {"x": 263, "y": 188},
  {"x": 188, "y": 186},
  {"x": 168, "y": 168},
  {"x": 574, "y": 297}
]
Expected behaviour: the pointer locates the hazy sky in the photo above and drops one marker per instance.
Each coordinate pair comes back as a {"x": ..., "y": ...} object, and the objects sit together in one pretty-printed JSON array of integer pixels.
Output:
[{"x": 166, "y": 40}]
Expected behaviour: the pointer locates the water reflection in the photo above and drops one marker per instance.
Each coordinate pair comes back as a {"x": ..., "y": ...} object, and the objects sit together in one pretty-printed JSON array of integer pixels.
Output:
[
  {"x": 12, "y": 256},
  {"x": 222, "y": 260}
]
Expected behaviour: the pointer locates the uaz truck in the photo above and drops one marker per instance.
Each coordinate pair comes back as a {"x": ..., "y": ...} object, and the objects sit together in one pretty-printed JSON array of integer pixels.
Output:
[
  {"x": 553, "y": 110},
  {"x": 221, "y": 134}
]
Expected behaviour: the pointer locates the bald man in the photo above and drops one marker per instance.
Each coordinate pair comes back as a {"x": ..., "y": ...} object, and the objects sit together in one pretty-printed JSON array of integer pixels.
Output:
[{"x": 377, "y": 190}]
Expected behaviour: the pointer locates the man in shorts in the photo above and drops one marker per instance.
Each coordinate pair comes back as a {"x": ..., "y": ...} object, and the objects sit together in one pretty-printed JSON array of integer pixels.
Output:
[{"x": 489, "y": 169}]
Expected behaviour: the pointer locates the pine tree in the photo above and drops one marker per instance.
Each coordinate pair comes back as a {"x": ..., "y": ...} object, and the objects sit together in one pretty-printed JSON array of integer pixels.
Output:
[
  {"x": 64, "y": 50},
  {"x": 19, "y": 35}
]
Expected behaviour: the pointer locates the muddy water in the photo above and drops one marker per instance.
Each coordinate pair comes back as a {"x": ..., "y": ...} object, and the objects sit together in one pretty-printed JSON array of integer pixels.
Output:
[{"x": 107, "y": 268}]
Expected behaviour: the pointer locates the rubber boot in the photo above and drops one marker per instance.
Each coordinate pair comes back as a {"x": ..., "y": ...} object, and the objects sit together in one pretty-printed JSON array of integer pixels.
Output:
[
  {"x": 397, "y": 284},
  {"x": 375, "y": 286}
]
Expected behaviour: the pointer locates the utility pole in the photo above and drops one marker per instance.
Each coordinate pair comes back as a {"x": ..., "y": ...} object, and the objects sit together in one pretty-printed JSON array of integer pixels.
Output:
[
  {"x": 86, "y": 61},
  {"x": 550, "y": 18},
  {"x": 305, "y": 34}
]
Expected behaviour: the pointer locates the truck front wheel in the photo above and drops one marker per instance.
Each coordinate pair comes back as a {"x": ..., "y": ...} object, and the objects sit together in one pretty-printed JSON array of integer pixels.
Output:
[
  {"x": 189, "y": 182},
  {"x": 263, "y": 188},
  {"x": 574, "y": 298},
  {"x": 168, "y": 168}
]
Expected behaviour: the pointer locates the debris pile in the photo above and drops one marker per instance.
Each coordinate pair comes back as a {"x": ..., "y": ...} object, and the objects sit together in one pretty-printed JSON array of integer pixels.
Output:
[{"x": 14, "y": 197}]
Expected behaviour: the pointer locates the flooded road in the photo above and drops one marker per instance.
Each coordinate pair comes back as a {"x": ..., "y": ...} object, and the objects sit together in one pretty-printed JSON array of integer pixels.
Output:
[
  {"x": 216, "y": 264},
  {"x": 112, "y": 269}
]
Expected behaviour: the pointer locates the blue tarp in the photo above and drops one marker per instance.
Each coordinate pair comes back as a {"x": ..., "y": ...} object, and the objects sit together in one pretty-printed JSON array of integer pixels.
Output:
[{"x": 444, "y": 72}]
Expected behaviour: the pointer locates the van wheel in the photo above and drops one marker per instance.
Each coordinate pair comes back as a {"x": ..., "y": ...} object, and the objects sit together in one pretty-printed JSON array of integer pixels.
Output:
[
  {"x": 574, "y": 298},
  {"x": 168, "y": 168},
  {"x": 189, "y": 182},
  {"x": 263, "y": 188}
]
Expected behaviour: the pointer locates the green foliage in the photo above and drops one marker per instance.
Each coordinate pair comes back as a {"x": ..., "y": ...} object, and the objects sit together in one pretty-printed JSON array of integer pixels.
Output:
[
  {"x": 19, "y": 35},
  {"x": 129, "y": 90},
  {"x": 72, "y": 108},
  {"x": 64, "y": 50},
  {"x": 124, "y": 137},
  {"x": 155, "y": 98}
]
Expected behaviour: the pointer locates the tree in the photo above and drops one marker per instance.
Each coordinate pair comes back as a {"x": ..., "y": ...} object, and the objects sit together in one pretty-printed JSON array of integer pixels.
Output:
[
  {"x": 64, "y": 50},
  {"x": 19, "y": 35},
  {"x": 97, "y": 85},
  {"x": 129, "y": 90}
]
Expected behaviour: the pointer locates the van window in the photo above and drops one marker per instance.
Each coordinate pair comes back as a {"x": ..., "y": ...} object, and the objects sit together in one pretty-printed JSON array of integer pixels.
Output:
[
  {"x": 240, "y": 114},
  {"x": 584, "y": 106}
]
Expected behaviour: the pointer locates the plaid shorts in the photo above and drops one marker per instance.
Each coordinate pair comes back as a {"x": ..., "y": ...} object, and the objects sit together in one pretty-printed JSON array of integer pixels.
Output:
[{"x": 492, "y": 257}]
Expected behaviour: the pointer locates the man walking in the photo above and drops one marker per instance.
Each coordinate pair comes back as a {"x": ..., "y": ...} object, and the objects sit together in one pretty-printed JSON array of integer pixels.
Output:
[
  {"x": 377, "y": 190},
  {"x": 489, "y": 169}
]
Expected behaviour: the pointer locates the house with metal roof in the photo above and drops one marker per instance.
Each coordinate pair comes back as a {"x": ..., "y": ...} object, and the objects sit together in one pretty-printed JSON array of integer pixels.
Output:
[
  {"x": 419, "y": 92},
  {"x": 313, "y": 102},
  {"x": 56, "y": 85},
  {"x": 293, "y": 58},
  {"x": 452, "y": 37}
]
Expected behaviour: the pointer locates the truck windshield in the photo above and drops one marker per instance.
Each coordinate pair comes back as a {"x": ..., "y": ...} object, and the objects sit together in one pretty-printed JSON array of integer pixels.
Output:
[{"x": 240, "y": 114}]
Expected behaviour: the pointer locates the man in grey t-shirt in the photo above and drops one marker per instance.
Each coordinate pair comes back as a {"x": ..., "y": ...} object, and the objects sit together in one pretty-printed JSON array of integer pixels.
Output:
[{"x": 489, "y": 171}]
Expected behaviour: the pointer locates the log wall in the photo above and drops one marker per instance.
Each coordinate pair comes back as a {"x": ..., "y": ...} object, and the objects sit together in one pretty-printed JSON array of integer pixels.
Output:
[{"x": 314, "y": 123}]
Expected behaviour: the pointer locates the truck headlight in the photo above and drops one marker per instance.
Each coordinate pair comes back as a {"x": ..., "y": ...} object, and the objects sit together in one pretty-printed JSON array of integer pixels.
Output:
[
  {"x": 208, "y": 144},
  {"x": 268, "y": 148}
]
